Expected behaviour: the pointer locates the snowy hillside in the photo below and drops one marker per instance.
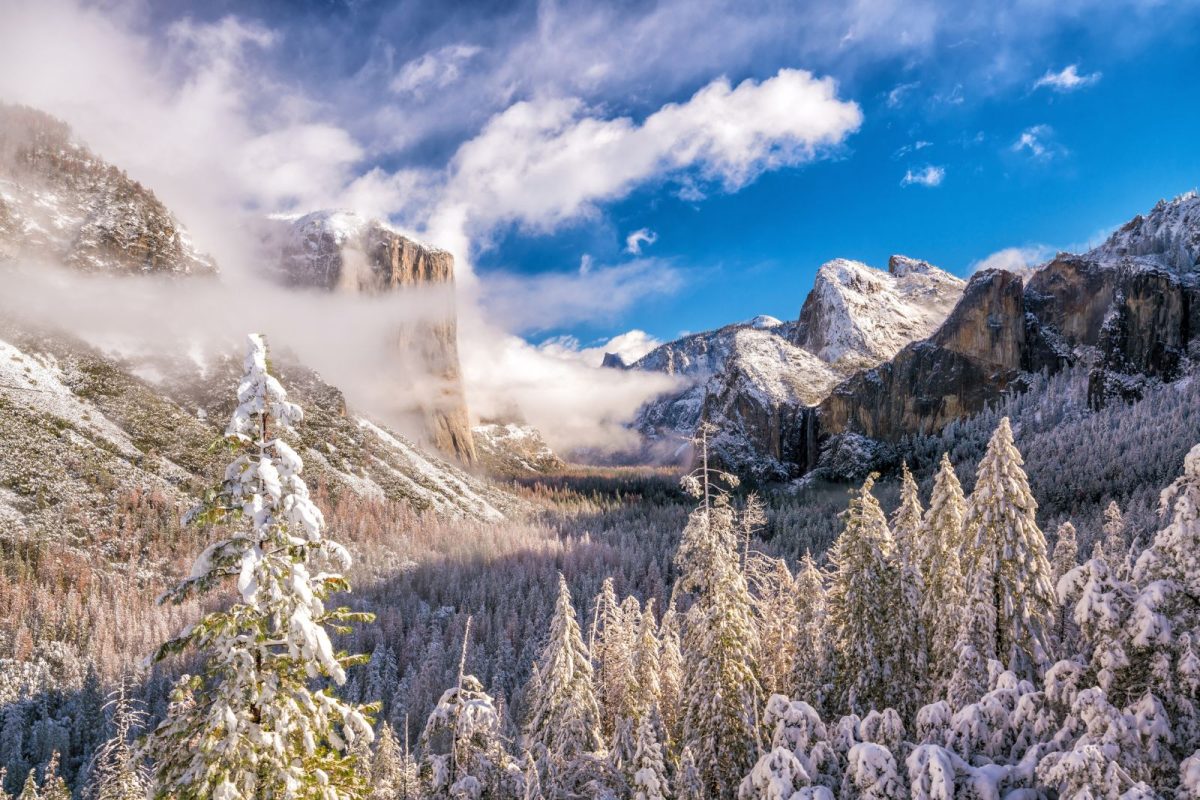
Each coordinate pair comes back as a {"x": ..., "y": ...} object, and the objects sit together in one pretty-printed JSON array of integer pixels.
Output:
[
  {"x": 509, "y": 449},
  {"x": 1167, "y": 238},
  {"x": 60, "y": 202}
]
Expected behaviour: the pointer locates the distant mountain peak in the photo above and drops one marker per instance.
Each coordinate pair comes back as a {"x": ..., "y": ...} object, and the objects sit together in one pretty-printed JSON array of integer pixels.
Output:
[{"x": 1168, "y": 237}]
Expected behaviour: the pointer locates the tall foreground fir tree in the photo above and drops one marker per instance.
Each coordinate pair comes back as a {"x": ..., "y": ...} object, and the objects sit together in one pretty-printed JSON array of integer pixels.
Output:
[
  {"x": 722, "y": 693},
  {"x": 563, "y": 715},
  {"x": 253, "y": 726},
  {"x": 872, "y": 616},
  {"x": 1012, "y": 600},
  {"x": 936, "y": 555}
]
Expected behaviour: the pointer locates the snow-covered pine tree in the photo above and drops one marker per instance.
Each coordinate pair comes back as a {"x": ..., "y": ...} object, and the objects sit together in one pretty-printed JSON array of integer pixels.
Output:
[
  {"x": 117, "y": 772},
  {"x": 1005, "y": 560},
  {"x": 647, "y": 668},
  {"x": 649, "y": 780},
  {"x": 252, "y": 726},
  {"x": 774, "y": 593},
  {"x": 29, "y": 791},
  {"x": 1116, "y": 552},
  {"x": 936, "y": 549},
  {"x": 670, "y": 673},
  {"x": 53, "y": 786},
  {"x": 392, "y": 773},
  {"x": 563, "y": 715},
  {"x": 1064, "y": 559},
  {"x": 720, "y": 702},
  {"x": 871, "y": 619},
  {"x": 609, "y": 652},
  {"x": 907, "y": 518},
  {"x": 462, "y": 747},
  {"x": 810, "y": 673}
]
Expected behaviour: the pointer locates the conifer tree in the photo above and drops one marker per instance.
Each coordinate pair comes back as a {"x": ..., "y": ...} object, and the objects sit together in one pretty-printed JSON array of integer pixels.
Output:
[
  {"x": 252, "y": 726},
  {"x": 906, "y": 520},
  {"x": 649, "y": 780},
  {"x": 53, "y": 786},
  {"x": 936, "y": 554},
  {"x": 670, "y": 673},
  {"x": 1115, "y": 551},
  {"x": 462, "y": 745},
  {"x": 647, "y": 668},
  {"x": 720, "y": 702},
  {"x": 775, "y": 599},
  {"x": 1006, "y": 561},
  {"x": 871, "y": 622},
  {"x": 1066, "y": 554},
  {"x": 563, "y": 715},
  {"x": 117, "y": 772},
  {"x": 30, "y": 790},
  {"x": 810, "y": 674}
]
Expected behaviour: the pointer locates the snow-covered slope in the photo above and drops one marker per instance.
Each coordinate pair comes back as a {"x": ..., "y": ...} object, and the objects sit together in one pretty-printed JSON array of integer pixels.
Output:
[
  {"x": 511, "y": 450},
  {"x": 60, "y": 202},
  {"x": 747, "y": 377},
  {"x": 856, "y": 316}
]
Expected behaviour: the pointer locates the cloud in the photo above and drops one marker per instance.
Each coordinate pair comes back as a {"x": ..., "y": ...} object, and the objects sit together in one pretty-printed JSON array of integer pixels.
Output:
[
  {"x": 530, "y": 303},
  {"x": 895, "y": 98},
  {"x": 928, "y": 176},
  {"x": 1066, "y": 80},
  {"x": 1015, "y": 259},
  {"x": 1039, "y": 143},
  {"x": 630, "y": 346},
  {"x": 541, "y": 163},
  {"x": 905, "y": 150},
  {"x": 635, "y": 240},
  {"x": 436, "y": 70}
]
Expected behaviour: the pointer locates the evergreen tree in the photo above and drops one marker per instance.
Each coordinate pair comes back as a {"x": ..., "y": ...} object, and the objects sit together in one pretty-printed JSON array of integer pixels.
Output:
[
  {"x": 117, "y": 772},
  {"x": 1006, "y": 560},
  {"x": 252, "y": 726},
  {"x": 936, "y": 554},
  {"x": 563, "y": 715},
  {"x": 30, "y": 790},
  {"x": 810, "y": 675},
  {"x": 1066, "y": 554},
  {"x": 774, "y": 593},
  {"x": 463, "y": 750},
  {"x": 53, "y": 785},
  {"x": 872, "y": 623},
  {"x": 647, "y": 683},
  {"x": 670, "y": 673},
  {"x": 721, "y": 699},
  {"x": 1116, "y": 553},
  {"x": 907, "y": 519},
  {"x": 649, "y": 780}
]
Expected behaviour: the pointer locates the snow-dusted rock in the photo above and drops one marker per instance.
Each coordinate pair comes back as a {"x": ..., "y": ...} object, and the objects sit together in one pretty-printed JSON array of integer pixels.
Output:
[{"x": 510, "y": 449}]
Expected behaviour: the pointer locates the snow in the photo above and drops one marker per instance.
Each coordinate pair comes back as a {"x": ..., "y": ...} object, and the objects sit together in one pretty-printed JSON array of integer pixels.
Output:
[{"x": 1166, "y": 238}]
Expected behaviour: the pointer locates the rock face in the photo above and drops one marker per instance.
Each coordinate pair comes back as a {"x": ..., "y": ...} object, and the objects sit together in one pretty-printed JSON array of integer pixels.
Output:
[
  {"x": 340, "y": 251},
  {"x": 1129, "y": 308},
  {"x": 509, "y": 449},
  {"x": 61, "y": 203},
  {"x": 753, "y": 380}
]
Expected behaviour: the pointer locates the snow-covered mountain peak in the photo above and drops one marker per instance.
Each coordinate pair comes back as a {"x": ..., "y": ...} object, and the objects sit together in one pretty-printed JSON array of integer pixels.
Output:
[
  {"x": 858, "y": 316},
  {"x": 1167, "y": 238},
  {"x": 763, "y": 321}
]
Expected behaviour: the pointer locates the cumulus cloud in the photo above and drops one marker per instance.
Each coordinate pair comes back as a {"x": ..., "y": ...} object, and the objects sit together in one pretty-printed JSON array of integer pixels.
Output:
[
  {"x": 1015, "y": 259},
  {"x": 541, "y": 163},
  {"x": 635, "y": 240},
  {"x": 928, "y": 176},
  {"x": 1067, "y": 79},
  {"x": 630, "y": 346}
]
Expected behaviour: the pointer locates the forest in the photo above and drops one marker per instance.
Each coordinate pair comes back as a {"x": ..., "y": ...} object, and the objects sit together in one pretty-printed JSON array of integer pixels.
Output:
[{"x": 1024, "y": 631}]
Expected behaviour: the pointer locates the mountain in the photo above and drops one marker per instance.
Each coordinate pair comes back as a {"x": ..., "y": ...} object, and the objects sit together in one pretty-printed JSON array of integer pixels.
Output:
[
  {"x": 341, "y": 251},
  {"x": 510, "y": 449},
  {"x": 60, "y": 202},
  {"x": 1129, "y": 310},
  {"x": 751, "y": 379}
]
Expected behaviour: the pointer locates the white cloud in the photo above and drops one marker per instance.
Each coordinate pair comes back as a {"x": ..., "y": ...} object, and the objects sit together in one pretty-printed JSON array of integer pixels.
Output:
[
  {"x": 929, "y": 176},
  {"x": 1066, "y": 80},
  {"x": 635, "y": 240},
  {"x": 895, "y": 98},
  {"x": 527, "y": 303},
  {"x": 1038, "y": 141},
  {"x": 437, "y": 70},
  {"x": 630, "y": 346},
  {"x": 1015, "y": 259},
  {"x": 541, "y": 163}
]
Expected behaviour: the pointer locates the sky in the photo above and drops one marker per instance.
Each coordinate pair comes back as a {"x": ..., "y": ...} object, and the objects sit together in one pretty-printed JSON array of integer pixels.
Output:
[{"x": 630, "y": 169}]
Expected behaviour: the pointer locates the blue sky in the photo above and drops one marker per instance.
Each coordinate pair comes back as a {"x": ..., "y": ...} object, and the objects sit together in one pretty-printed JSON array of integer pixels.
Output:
[{"x": 532, "y": 138}]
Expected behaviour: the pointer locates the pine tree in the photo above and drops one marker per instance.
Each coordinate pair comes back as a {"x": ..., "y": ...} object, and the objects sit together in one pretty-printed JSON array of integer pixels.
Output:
[
  {"x": 30, "y": 790},
  {"x": 462, "y": 746},
  {"x": 721, "y": 700},
  {"x": 53, "y": 785},
  {"x": 387, "y": 766},
  {"x": 647, "y": 668},
  {"x": 649, "y": 780},
  {"x": 251, "y": 726},
  {"x": 810, "y": 675},
  {"x": 936, "y": 554},
  {"x": 774, "y": 593},
  {"x": 1066, "y": 554},
  {"x": 117, "y": 772},
  {"x": 670, "y": 673},
  {"x": 906, "y": 520},
  {"x": 872, "y": 623},
  {"x": 563, "y": 715},
  {"x": 1115, "y": 551},
  {"x": 1006, "y": 560}
]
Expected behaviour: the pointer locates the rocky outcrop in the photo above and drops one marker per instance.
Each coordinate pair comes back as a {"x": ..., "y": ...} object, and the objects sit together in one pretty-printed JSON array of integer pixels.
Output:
[
  {"x": 1130, "y": 308},
  {"x": 514, "y": 450},
  {"x": 61, "y": 203},
  {"x": 340, "y": 251}
]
